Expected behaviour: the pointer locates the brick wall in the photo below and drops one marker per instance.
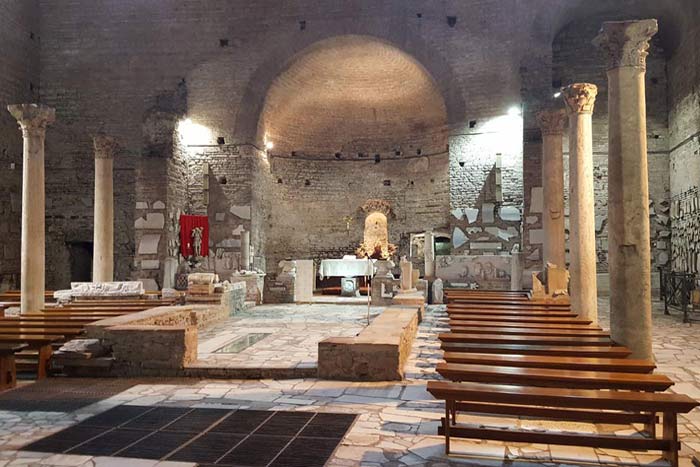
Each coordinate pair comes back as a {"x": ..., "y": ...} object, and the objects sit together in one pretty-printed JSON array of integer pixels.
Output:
[{"x": 19, "y": 82}]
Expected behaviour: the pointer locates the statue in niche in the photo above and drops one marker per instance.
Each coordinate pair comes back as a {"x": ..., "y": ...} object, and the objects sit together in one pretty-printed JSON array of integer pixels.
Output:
[
  {"x": 376, "y": 236},
  {"x": 197, "y": 233}
]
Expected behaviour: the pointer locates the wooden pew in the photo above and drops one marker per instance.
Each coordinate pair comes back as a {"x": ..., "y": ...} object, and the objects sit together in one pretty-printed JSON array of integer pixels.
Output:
[
  {"x": 457, "y": 321},
  {"x": 612, "y": 351},
  {"x": 39, "y": 342},
  {"x": 537, "y": 402},
  {"x": 517, "y": 313},
  {"x": 622, "y": 365},
  {"x": 525, "y": 340},
  {"x": 525, "y": 319},
  {"x": 582, "y": 332},
  {"x": 557, "y": 378}
]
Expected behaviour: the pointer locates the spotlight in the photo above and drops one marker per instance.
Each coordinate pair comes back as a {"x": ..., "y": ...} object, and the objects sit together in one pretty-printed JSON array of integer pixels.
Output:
[
  {"x": 514, "y": 111},
  {"x": 269, "y": 145},
  {"x": 557, "y": 95}
]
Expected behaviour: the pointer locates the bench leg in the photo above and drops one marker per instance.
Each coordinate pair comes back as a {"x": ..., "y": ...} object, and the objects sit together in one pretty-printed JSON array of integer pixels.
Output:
[
  {"x": 453, "y": 406},
  {"x": 650, "y": 426},
  {"x": 45, "y": 352},
  {"x": 446, "y": 426},
  {"x": 671, "y": 435},
  {"x": 8, "y": 372}
]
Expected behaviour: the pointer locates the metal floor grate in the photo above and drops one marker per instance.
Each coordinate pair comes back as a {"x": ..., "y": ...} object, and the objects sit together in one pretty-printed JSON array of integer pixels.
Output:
[{"x": 221, "y": 437}]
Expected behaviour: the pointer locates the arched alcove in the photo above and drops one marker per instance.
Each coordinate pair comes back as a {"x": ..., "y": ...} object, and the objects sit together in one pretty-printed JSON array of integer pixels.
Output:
[{"x": 354, "y": 94}]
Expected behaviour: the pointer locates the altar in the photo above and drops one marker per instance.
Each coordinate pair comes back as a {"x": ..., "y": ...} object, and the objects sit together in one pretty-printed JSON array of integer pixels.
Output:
[{"x": 348, "y": 269}]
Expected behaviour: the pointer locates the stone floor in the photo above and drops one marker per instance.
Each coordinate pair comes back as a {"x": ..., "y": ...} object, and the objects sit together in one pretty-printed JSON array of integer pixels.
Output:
[
  {"x": 397, "y": 422},
  {"x": 297, "y": 329}
]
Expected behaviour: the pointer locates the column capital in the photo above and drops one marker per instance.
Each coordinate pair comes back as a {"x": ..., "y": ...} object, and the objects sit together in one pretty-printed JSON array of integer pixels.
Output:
[
  {"x": 551, "y": 121},
  {"x": 32, "y": 118},
  {"x": 105, "y": 146},
  {"x": 580, "y": 98},
  {"x": 626, "y": 43}
]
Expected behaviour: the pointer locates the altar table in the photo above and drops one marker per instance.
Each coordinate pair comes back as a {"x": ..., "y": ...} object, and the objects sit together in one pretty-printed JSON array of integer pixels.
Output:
[{"x": 348, "y": 270}]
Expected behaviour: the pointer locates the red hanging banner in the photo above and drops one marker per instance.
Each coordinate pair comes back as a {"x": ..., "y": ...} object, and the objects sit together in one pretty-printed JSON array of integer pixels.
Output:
[{"x": 187, "y": 240}]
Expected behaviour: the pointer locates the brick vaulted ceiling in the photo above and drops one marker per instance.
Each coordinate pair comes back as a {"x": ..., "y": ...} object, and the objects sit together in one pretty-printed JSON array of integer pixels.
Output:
[{"x": 353, "y": 94}]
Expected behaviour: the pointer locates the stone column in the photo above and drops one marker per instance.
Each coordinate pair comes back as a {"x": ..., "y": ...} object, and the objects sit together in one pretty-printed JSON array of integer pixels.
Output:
[
  {"x": 33, "y": 120},
  {"x": 552, "y": 124},
  {"x": 429, "y": 255},
  {"x": 580, "y": 100},
  {"x": 103, "y": 235},
  {"x": 245, "y": 250},
  {"x": 629, "y": 256}
]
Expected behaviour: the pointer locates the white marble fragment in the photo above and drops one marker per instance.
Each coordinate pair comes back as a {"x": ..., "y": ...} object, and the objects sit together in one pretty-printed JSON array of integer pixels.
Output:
[
  {"x": 458, "y": 237},
  {"x": 220, "y": 216},
  {"x": 472, "y": 214},
  {"x": 243, "y": 212},
  {"x": 485, "y": 246},
  {"x": 149, "y": 264},
  {"x": 141, "y": 205},
  {"x": 458, "y": 214},
  {"x": 149, "y": 244},
  {"x": 153, "y": 221},
  {"x": 536, "y": 199},
  {"x": 159, "y": 205},
  {"x": 509, "y": 214},
  {"x": 487, "y": 213}
]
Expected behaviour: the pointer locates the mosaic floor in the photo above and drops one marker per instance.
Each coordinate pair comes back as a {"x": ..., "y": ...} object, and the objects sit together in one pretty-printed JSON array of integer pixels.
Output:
[
  {"x": 396, "y": 423},
  {"x": 295, "y": 328}
]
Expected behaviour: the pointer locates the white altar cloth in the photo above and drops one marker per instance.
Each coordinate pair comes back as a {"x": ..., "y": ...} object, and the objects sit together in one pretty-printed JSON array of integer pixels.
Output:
[{"x": 346, "y": 268}]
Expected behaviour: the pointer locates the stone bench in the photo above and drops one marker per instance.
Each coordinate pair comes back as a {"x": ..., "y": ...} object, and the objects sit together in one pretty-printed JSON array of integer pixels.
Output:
[{"x": 378, "y": 353}]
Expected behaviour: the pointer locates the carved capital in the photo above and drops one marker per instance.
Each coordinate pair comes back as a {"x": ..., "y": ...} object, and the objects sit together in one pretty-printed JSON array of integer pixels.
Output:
[
  {"x": 32, "y": 118},
  {"x": 626, "y": 43},
  {"x": 552, "y": 121},
  {"x": 580, "y": 98},
  {"x": 105, "y": 147}
]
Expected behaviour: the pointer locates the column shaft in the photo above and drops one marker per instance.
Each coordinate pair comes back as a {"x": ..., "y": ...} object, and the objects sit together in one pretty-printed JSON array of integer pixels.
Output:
[
  {"x": 629, "y": 254},
  {"x": 552, "y": 124},
  {"x": 103, "y": 234},
  {"x": 429, "y": 255},
  {"x": 245, "y": 250},
  {"x": 580, "y": 99},
  {"x": 33, "y": 120}
]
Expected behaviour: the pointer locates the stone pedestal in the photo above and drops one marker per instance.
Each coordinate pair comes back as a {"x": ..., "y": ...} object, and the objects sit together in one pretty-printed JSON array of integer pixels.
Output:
[
  {"x": 580, "y": 100},
  {"x": 629, "y": 256},
  {"x": 103, "y": 235},
  {"x": 406, "y": 275},
  {"x": 33, "y": 120},
  {"x": 516, "y": 271},
  {"x": 552, "y": 124}
]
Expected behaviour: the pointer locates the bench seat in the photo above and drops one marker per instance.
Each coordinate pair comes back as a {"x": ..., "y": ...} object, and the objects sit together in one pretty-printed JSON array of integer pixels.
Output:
[
  {"x": 623, "y": 365},
  {"x": 583, "y": 332},
  {"x": 524, "y": 340},
  {"x": 548, "y": 377},
  {"x": 612, "y": 351}
]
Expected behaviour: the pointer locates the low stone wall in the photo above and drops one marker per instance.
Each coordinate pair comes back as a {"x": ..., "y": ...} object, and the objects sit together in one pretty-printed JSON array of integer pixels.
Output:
[
  {"x": 378, "y": 353},
  {"x": 159, "y": 341}
]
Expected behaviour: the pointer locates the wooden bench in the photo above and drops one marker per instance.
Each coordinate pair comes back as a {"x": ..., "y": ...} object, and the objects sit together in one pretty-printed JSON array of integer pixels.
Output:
[
  {"x": 40, "y": 342},
  {"x": 556, "y": 378},
  {"x": 623, "y": 365},
  {"x": 515, "y": 313},
  {"x": 457, "y": 321},
  {"x": 586, "y": 404},
  {"x": 526, "y": 319},
  {"x": 612, "y": 351},
  {"x": 524, "y": 340},
  {"x": 582, "y": 332}
]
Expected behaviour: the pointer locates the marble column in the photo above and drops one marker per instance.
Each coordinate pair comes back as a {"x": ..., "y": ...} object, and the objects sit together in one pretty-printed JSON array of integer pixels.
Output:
[
  {"x": 33, "y": 120},
  {"x": 429, "y": 255},
  {"x": 103, "y": 235},
  {"x": 552, "y": 124},
  {"x": 580, "y": 100},
  {"x": 629, "y": 255},
  {"x": 245, "y": 250}
]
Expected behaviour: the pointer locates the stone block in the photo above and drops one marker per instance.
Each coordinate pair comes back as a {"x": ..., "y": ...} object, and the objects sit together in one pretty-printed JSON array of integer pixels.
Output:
[
  {"x": 153, "y": 221},
  {"x": 243, "y": 212},
  {"x": 149, "y": 244}
]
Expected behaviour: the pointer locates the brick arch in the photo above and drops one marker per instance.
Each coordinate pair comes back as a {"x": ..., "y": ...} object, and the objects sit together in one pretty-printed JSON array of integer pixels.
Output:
[
  {"x": 670, "y": 13},
  {"x": 253, "y": 100}
]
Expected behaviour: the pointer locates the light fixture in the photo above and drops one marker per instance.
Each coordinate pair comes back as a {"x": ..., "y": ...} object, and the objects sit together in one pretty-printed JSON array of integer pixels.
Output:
[
  {"x": 514, "y": 111},
  {"x": 269, "y": 145},
  {"x": 557, "y": 95}
]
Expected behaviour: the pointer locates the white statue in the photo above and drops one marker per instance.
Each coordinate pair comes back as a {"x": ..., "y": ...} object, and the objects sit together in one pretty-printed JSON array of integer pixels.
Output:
[{"x": 196, "y": 234}]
